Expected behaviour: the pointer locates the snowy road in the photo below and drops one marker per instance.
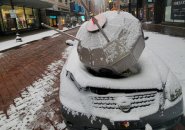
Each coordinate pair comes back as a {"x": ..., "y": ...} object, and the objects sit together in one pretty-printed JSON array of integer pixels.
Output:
[{"x": 172, "y": 52}]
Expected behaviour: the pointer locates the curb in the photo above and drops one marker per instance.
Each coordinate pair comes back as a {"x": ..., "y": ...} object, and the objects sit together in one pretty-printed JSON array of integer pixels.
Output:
[
  {"x": 164, "y": 29},
  {"x": 43, "y": 38}
]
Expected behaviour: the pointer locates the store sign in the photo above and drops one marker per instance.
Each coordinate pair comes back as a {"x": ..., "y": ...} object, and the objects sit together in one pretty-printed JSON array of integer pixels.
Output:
[
  {"x": 12, "y": 14},
  {"x": 178, "y": 9},
  {"x": 53, "y": 17}
]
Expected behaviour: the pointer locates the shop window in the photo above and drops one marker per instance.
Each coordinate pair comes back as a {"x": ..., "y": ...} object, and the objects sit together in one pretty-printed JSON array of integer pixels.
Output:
[
  {"x": 21, "y": 21},
  {"x": 8, "y": 22},
  {"x": 31, "y": 18},
  {"x": 36, "y": 16}
]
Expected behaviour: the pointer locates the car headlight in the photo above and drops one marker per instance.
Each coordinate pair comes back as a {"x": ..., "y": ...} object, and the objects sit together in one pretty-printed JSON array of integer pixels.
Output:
[{"x": 172, "y": 88}]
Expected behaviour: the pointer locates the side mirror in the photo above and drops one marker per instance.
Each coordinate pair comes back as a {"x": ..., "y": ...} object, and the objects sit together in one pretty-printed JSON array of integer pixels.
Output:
[
  {"x": 69, "y": 42},
  {"x": 146, "y": 38}
]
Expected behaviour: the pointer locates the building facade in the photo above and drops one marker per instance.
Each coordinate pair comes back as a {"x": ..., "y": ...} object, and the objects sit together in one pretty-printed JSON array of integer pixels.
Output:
[
  {"x": 20, "y": 15},
  {"x": 175, "y": 11},
  {"x": 58, "y": 14}
]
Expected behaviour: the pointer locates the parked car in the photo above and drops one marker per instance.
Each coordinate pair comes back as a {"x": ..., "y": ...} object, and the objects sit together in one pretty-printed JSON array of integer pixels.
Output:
[
  {"x": 152, "y": 95},
  {"x": 114, "y": 83}
]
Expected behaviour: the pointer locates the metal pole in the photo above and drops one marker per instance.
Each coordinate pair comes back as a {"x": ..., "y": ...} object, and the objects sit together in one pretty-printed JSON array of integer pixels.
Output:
[{"x": 61, "y": 32}]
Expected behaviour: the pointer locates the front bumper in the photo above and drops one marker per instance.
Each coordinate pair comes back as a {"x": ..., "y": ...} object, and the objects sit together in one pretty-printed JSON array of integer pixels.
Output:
[{"x": 167, "y": 119}]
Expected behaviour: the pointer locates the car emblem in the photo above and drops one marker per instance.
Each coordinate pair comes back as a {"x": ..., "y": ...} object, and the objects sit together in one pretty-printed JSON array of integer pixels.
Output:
[
  {"x": 125, "y": 124},
  {"x": 124, "y": 104}
]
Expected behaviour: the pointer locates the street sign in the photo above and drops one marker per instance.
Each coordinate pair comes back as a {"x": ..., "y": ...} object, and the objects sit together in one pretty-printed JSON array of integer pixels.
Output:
[
  {"x": 178, "y": 9},
  {"x": 12, "y": 14}
]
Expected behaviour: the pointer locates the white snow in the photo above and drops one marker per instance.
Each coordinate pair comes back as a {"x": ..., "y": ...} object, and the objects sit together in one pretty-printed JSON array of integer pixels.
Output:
[
  {"x": 166, "y": 49},
  {"x": 104, "y": 127},
  {"x": 12, "y": 43},
  {"x": 24, "y": 111},
  {"x": 148, "y": 73},
  {"x": 171, "y": 50},
  {"x": 148, "y": 127},
  {"x": 115, "y": 24},
  {"x": 1, "y": 55}
]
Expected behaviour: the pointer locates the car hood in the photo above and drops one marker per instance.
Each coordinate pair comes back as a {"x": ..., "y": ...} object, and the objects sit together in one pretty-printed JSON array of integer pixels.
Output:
[{"x": 152, "y": 74}]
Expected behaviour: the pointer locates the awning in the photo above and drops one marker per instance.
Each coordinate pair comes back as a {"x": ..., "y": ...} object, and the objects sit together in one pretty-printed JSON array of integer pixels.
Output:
[{"x": 28, "y": 3}]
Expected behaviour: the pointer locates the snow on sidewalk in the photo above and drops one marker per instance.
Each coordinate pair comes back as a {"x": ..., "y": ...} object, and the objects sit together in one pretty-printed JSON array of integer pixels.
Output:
[
  {"x": 12, "y": 43},
  {"x": 29, "y": 109}
]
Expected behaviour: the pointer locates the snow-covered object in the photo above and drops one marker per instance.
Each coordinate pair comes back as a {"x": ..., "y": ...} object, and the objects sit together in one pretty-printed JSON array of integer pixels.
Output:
[
  {"x": 104, "y": 127},
  {"x": 148, "y": 127},
  {"x": 124, "y": 49}
]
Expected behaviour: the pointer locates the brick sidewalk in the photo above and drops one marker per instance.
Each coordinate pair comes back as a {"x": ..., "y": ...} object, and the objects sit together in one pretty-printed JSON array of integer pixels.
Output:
[{"x": 22, "y": 66}]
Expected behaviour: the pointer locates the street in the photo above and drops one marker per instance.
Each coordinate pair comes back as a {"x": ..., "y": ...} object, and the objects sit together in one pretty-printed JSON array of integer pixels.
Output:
[
  {"x": 29, "y": 79},
  {"x": 29, "y": 83}
]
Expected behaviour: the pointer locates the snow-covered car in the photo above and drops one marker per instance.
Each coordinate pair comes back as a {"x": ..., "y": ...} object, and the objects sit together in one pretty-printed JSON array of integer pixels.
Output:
[{"x": 149, "y": 93}]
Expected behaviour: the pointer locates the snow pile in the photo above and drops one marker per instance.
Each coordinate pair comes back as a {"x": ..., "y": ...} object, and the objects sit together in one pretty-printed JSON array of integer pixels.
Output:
[
  {"x": 104, "y": 127},
  {"x": 147, "y": 72},
  {"x": 25, "y": 111},
  {"x": 148, "y": 127}
]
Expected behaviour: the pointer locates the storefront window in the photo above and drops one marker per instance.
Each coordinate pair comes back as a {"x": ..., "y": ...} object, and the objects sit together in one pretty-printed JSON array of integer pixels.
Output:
[
  {"x": 168, "y": 13},
  {"x": 8, "y": 22},
  {"x": 29, "y": 17},
  {"x": 36, "y": 16},
  {"x": 21, "y": 21}
]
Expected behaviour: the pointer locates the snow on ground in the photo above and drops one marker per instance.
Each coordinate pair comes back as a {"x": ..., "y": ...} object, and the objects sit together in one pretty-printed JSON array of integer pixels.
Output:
[
  {"x": 1, "y": 55},
  {"x": 172, "y": 52},
  {"x": 12, "y": 43},
  {"x": 28, "y": 109}
]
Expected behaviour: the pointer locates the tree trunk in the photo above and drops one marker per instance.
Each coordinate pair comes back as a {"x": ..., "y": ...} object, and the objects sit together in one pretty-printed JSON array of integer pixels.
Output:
[{"x": 159, "y": 11}]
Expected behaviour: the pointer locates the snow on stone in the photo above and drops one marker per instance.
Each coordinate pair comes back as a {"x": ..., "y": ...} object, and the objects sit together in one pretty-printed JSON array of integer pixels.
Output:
[
  {"x": 1, "y": 55},
  {"x": 23, "y": 112},
  {"x": 148, "y": 127},
  {"x": 61, "y": 126},
  {"x": 104, "y": 127}
]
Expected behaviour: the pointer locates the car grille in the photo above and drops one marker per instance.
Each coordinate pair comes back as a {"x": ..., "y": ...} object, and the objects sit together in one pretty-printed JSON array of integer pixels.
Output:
[{"x": 138, "y": 100}]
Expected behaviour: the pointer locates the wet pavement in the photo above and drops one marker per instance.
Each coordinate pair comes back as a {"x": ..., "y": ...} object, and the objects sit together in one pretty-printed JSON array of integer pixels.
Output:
[{"x": 165, "y": 29}]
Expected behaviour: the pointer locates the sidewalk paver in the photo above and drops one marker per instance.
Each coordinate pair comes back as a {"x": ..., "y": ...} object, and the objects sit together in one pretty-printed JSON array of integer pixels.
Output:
[{"x": 33, "y": 70}]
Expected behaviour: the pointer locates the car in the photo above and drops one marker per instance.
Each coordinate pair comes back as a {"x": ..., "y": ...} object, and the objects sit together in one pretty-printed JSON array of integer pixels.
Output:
[{"x": 149, "y": 93}]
